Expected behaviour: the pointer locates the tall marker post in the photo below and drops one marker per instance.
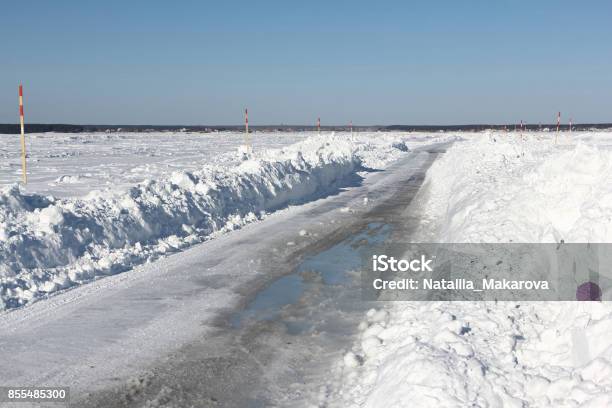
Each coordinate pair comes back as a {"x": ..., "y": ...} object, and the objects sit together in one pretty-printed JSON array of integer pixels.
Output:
[
  {"x": 319, "y": 126},
  {"x": 247, "y": 140},
  {"x": 570, "y": 125},
  {"x": 558, "y": 125},
  {"x": 351, "y": 126},
  {"x": 23, "y": 146}
]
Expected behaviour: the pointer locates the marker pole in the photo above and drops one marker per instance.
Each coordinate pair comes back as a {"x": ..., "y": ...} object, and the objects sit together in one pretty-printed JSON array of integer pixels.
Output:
[
  {"x": 351, "y": 125},
  {"x": 319, "y": 126},
  {"x": 558, "y": 125},
  {"x": 246, "y": 130},
  {"x": 23, "y": 146},
  {"x": 570, "y": 125}
]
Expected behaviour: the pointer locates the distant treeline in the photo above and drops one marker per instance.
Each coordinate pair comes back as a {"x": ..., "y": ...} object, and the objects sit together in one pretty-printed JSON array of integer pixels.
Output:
[
  {"x": 65, "y": 128},
  {"x": 476, "y": 128}
]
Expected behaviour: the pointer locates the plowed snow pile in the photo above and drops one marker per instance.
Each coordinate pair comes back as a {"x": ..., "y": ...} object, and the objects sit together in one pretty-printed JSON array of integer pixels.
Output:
[
  {"x": 497, "y": 187},
  {"x": 49, "y": 243}
]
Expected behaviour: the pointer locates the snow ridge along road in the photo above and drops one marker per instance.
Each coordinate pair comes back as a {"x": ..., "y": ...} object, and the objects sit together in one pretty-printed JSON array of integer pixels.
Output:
[{"x": 48, "y": 244}]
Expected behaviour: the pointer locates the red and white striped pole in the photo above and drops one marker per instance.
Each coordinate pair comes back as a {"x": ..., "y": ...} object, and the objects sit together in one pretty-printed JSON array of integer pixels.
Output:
[
  {"x": 246, "y": 129},
  {"x": 23, "y": 146},
  {"x": 558, "y": 125},
  {"x": 319, "y": 126}
]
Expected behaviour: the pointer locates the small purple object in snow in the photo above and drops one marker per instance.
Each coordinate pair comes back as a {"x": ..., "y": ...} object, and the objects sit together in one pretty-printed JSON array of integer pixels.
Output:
[{"x": 588, "y": 291}]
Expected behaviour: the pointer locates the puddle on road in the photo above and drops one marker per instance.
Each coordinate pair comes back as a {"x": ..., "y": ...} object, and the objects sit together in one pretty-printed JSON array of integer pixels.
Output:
[
  {"x": 314, "y": 283},
  {"x": 284, "y": 346}
]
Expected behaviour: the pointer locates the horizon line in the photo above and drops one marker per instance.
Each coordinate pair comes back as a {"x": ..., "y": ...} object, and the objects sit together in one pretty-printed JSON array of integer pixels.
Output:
[{"x": 309, "y": 125}]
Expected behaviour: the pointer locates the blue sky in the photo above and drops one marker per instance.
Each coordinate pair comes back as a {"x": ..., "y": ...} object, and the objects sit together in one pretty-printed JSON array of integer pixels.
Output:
[{"x": 388, "y": 62}]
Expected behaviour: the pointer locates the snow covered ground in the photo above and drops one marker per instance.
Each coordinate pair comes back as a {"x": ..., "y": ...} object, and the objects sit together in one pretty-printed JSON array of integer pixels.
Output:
[
  {"x": 160, "y": 193},
  {"x": 73, "y": 164},
  {"x": 497, "y": 187},
  {"x": 99, "y": 204}
]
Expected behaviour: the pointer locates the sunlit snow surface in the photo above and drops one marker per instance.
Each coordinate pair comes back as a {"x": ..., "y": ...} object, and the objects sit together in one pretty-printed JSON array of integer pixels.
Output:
[
  {"x": 72, "y": 164},
  {"x": 99, "y": 204},
  {"x": 490, "y": 187}
]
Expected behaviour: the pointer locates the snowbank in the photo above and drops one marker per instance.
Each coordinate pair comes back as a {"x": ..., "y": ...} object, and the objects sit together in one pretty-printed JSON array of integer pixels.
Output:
[
  {"x": 445, "y": 354},
  {"x": 496, "y": 187},
  {"x": 48, "y": 244}
]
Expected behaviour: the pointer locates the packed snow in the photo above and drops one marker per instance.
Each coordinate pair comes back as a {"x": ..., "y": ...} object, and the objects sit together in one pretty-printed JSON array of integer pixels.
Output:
[
  {"x": 496, "y": 187},
  {"x": 50, "y": 242}
]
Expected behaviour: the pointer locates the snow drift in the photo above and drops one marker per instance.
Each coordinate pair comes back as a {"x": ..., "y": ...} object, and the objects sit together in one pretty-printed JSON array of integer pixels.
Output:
[
  {"x": 48, "y": 244},
  {"x": 496, "y": 187}
]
